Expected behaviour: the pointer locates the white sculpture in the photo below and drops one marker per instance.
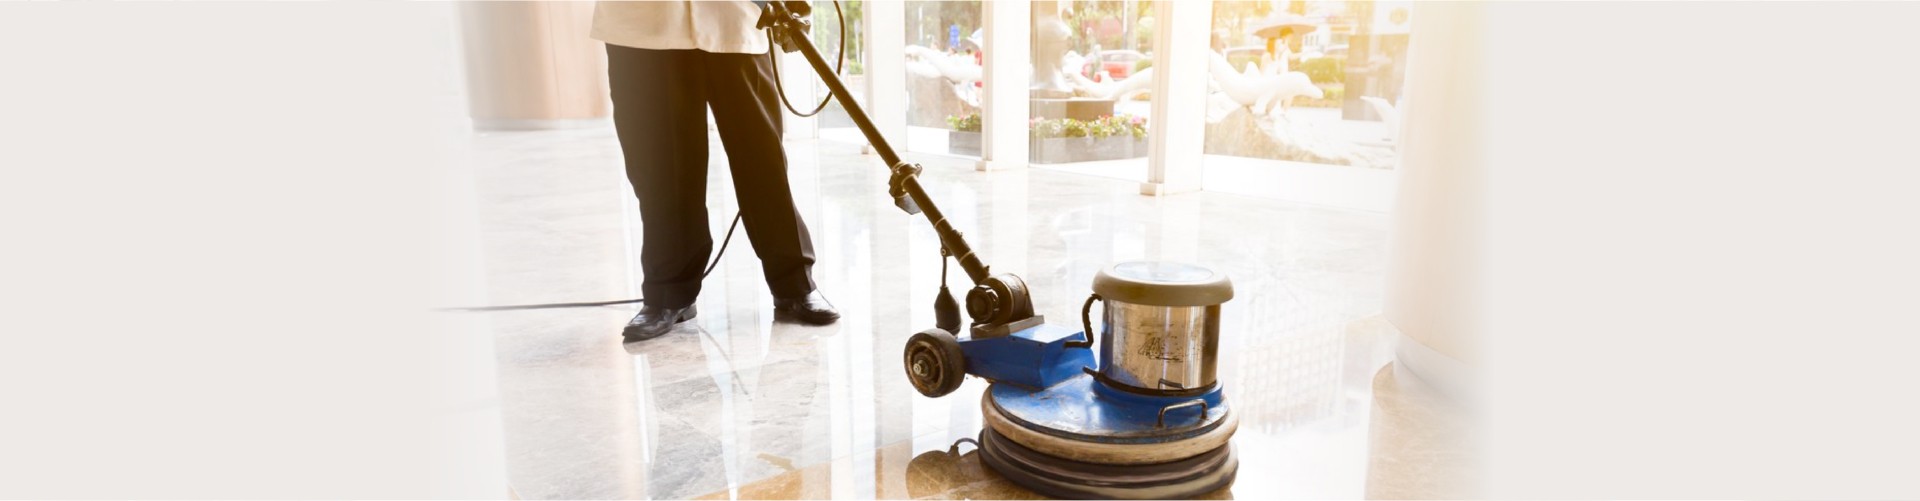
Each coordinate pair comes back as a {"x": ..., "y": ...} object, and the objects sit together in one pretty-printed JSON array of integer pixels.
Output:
[
  {"x": 958, "y": 69},
  {"x": 1141, "y": 82},
  {"x": 1388, "y": 115},
  {"x": 1072, "y": 62},
  {"x": 1258, "y": 91},
  {"x": 922, "y": 69},
  {"x": 1261, "y": 91},
  {"x": 1259, "y": 88},
  {"x": 1050, "y": 42}
]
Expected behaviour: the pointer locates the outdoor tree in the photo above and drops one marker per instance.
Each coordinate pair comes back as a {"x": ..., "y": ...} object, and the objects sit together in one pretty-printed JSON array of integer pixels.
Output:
[
  {"x": 1234, "y": 16},
  {"x": 826, "y": 32}
]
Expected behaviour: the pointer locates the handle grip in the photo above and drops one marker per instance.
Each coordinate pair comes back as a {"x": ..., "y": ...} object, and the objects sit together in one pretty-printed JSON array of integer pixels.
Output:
[
  {"x": 1190, "y": 403},
  {"x": 1086, "y": 321}
]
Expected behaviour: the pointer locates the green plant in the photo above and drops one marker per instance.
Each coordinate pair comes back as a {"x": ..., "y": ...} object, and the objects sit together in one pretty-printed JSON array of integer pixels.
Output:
[
  {"x": 969, "y": 123},
  {"x": 1107, "y": 126},
  {"x": 1325, "y": 69},
  {"x": 1073, "y": 128},
  {"x": 826, "y": 34},
  {"x": 1041, "y": 128},
  {"x": 1137, "y": 126},
  {"x": 1142, "y": 64},
  {"x": 1118, "y": 125},
  {"x": 1101, "y": 128}
]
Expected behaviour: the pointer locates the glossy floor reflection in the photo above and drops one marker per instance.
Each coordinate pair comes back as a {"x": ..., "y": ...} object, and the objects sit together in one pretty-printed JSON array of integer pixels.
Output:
[{"x": 739, "y": 405}]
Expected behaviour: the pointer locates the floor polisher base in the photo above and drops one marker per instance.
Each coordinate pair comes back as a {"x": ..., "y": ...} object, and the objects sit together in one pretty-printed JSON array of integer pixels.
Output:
[
  {"x": 1093, "y": 447},
  {"x": 1065, "y": 478}
]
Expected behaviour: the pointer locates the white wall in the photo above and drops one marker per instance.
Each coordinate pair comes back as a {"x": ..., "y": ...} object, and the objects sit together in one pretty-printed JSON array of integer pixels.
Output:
[{"x": 1699, "y": 247}]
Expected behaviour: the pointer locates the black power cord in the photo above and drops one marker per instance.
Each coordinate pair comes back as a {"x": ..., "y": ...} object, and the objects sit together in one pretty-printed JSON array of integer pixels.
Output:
[{"x": 773, "y": 58}]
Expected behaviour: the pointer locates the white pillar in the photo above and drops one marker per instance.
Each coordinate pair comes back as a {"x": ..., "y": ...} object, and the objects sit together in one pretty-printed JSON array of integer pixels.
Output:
[
  {"x": 1178, "y": 135},
  {"x": 883, "y": 25},
  {"x": 1004, "y": 101},
  {"x": 532, "y": 66},
  {"x": 1431, "y": 296}
]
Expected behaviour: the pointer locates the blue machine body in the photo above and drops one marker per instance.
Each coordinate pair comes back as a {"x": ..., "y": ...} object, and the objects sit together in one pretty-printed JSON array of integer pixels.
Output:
[
  {"x": 1042, "y": 384},
  {"x": 1035, "y": 357}
]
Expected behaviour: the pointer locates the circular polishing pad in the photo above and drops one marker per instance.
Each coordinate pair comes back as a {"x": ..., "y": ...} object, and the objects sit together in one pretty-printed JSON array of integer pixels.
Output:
[
  {"x": 1106, "y": 451},
  {"x": 1071, "y": 479}
]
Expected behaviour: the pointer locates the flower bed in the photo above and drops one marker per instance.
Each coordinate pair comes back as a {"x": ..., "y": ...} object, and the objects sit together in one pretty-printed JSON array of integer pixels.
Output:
[
  {"x": 1062, "y": 140},
  {"x": 964, "y": 136}
]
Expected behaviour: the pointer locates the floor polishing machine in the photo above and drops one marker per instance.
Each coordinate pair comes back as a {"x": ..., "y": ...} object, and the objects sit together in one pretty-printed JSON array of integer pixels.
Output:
[{"x": 1143, "y": 419}]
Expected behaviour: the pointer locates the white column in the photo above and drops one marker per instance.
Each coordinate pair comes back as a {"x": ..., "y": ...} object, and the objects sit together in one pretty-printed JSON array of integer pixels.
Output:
[
  {"x": 1179, "y": 128},
  {"x": 1004, "y": 106},
  {"x": 1431, "y": 294},
  {"x": 884, "y": 26},
  {"x": 532, "y": 66}
]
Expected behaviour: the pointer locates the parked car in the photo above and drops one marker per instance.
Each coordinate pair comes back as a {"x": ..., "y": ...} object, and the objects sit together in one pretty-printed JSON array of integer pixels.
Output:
[{"x": 1119, "y": 63}]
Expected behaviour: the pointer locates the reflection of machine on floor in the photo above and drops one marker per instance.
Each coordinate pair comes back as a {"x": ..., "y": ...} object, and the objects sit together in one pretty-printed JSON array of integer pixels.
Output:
[{"x": 1148, "y": 422}]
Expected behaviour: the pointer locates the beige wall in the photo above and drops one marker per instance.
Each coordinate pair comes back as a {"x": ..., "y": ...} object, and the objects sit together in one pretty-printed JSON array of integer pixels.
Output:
[{"x": 532, "y": 64}]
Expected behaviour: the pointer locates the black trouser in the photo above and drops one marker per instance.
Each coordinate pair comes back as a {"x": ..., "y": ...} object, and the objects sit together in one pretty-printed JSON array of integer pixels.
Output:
[{"x": 660, "y": 100}]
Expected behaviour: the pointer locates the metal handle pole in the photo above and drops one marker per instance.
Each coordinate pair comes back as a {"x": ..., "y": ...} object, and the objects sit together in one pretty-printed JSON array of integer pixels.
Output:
[{"x": 950, "y": 238}]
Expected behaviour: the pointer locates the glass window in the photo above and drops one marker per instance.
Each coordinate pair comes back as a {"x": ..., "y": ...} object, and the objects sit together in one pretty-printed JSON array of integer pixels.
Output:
[
  {"x": 1315, "y": 81},
  {"x": 834, "y": 122},
  {"x": 943, "y": 77},
  {"x": 1090, "y": 94}
]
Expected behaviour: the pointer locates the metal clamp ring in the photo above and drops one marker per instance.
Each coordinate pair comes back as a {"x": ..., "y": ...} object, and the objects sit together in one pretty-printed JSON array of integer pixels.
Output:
[{"x": 1162, "y": 423}]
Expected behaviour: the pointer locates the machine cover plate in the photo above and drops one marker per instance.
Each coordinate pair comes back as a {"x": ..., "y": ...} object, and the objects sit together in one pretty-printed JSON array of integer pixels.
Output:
[{"x": 1074, "y": 409}]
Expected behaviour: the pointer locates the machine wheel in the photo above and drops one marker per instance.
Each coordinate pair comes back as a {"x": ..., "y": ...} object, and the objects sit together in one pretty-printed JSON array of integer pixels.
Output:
[{"x": 934, "y": 363}]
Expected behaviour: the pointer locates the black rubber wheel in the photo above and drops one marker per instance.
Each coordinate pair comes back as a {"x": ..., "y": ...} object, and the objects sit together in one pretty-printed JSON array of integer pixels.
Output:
[{"x": 934, "y": 363}]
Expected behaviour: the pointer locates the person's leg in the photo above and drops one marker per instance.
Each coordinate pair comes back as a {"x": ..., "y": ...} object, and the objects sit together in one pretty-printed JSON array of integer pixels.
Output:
[
  {"x": 659, "y": 113},
  {"x": 748, "y": 115}
]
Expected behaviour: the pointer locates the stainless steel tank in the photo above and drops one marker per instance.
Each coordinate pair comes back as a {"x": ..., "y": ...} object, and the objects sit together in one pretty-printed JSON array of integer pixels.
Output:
[{"x": 1161, "y": 328}]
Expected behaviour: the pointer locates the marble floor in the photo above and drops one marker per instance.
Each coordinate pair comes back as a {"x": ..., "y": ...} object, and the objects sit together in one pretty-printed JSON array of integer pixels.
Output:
[{"x": 739, "y": 405}]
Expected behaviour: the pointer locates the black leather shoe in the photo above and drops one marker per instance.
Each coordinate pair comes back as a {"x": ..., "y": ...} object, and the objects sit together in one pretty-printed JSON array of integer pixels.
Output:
[
  {"x": 812, "y": 309},
  {"x": 654, "y": 321}
]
